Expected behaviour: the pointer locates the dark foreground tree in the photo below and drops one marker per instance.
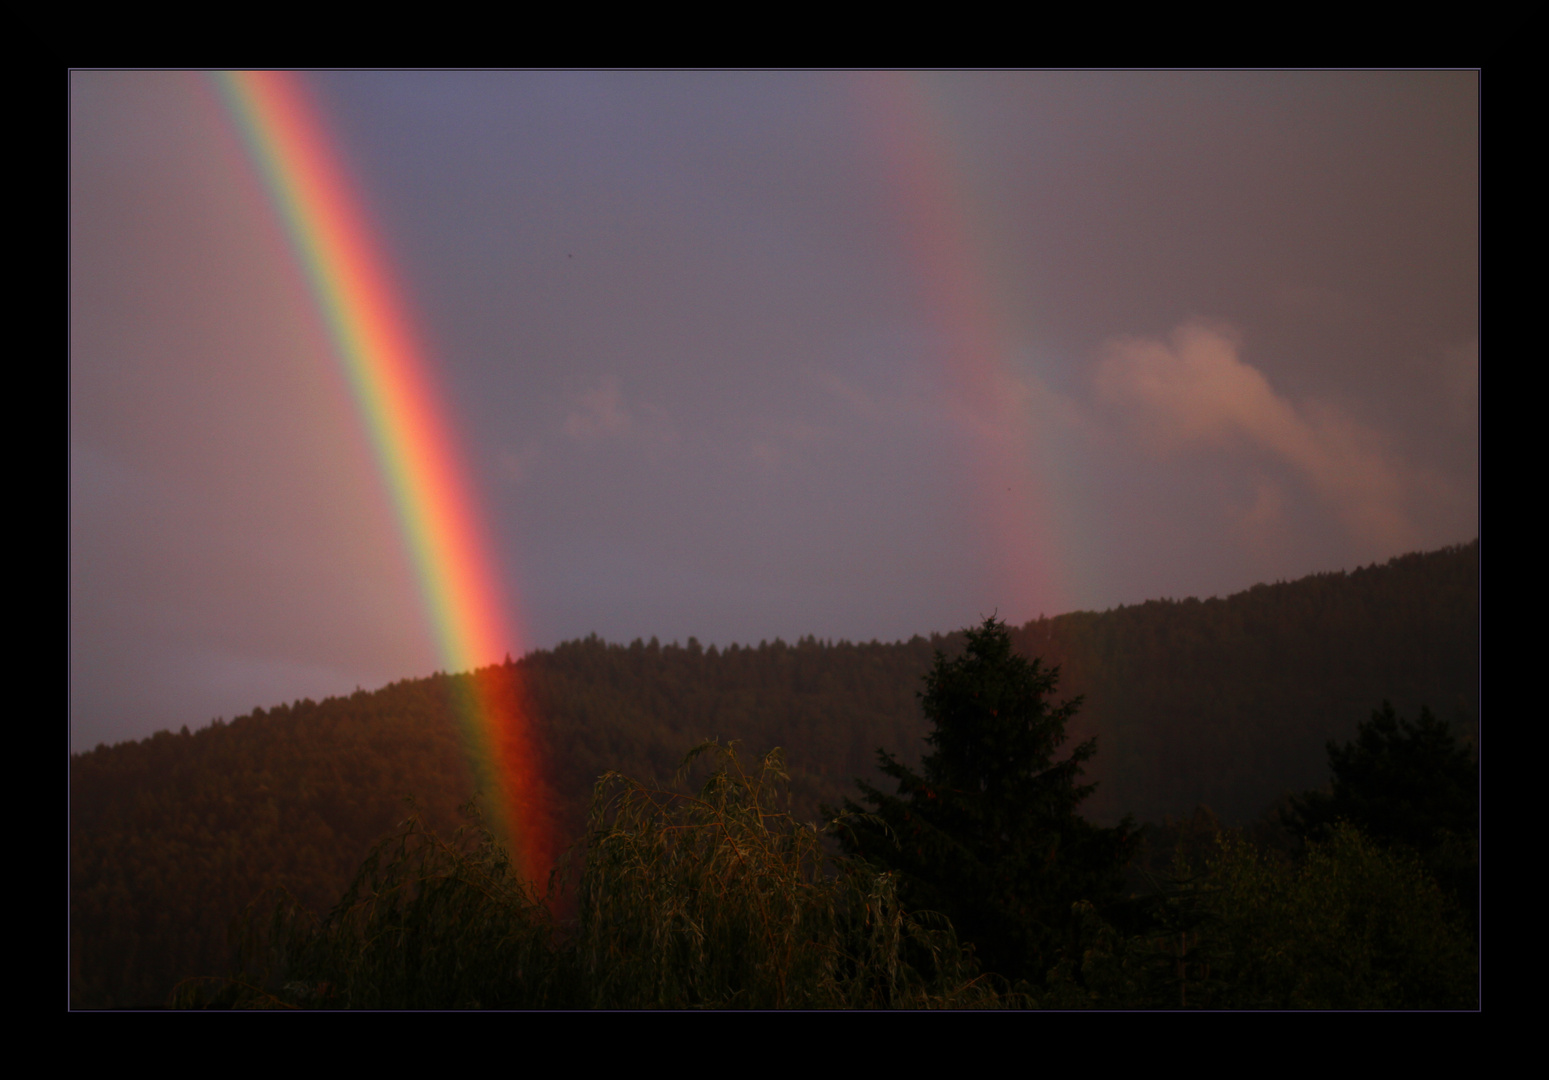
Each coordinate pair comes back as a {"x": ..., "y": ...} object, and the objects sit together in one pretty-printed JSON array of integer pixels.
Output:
[
  {"x": 988, "y": 833},
  {"x": 1409, "y": 785}
]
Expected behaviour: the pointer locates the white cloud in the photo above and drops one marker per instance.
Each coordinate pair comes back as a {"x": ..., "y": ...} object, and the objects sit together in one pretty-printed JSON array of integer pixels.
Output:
[
  {"x": 1194, "y": 391},
  {"x": 602, "y": 414},
  {"x": 777, "y": 444}
]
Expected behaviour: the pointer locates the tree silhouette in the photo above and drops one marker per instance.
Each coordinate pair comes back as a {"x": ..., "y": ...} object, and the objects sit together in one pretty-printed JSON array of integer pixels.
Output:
[
  {"x": 1410, "y": 784},
  {"x": 987, "y": 833}
]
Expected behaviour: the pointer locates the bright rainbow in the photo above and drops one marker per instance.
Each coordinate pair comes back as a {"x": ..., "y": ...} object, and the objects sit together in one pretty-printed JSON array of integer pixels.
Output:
[{"x": 387, "y": 371}]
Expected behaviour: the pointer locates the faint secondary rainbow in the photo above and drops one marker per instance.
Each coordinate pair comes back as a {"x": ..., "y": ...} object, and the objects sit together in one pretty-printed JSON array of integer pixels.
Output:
[
  {"x": 995, "y": 405},
  {"x": 385, "y": 364}
]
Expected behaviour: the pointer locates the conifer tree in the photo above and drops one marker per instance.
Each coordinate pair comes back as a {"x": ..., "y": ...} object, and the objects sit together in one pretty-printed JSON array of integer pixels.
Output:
[
  {"x": 1410, "y": 784},
  {"x": 987, "y": 833}
]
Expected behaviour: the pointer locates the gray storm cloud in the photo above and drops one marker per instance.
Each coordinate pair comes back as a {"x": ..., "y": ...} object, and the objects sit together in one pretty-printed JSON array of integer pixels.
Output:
[{"x": 1193, "y": 391}]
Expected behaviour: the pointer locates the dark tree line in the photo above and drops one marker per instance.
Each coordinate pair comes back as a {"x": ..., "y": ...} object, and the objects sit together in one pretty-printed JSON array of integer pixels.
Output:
[
  {"x": 977, "y": 885},
  {"x": 1226, "y": 702},
  {"x": 1409, "y": 786},
  {"x": 1229, "y": 702}
]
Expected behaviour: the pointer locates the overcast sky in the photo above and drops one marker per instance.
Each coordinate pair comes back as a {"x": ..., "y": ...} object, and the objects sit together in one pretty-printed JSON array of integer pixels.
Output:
[{"x": 742, "y": 356}]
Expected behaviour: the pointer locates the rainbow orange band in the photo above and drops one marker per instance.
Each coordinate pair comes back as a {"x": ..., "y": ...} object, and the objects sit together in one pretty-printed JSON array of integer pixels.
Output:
[{"x": 385, "y": 364}]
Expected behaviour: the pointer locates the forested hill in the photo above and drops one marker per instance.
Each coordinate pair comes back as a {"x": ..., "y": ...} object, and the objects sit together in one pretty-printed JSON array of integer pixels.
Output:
[
  {"x": 1224, "y": 702},
  {"x": 1229, "y": 702}
]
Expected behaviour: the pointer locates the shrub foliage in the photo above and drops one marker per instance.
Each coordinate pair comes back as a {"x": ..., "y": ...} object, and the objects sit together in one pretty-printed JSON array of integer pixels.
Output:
[
  {"x": 708, "y": 898},
  {"x": 1352, "y": 925}
]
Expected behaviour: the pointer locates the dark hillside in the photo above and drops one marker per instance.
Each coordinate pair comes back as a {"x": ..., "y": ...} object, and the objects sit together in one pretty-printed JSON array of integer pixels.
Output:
[
  {"x": 1224, "y": 702},
  {"x": 636, "y": 709},
  {"x": 172, "y": 835},
  {"x": 1229, "y": 702}
]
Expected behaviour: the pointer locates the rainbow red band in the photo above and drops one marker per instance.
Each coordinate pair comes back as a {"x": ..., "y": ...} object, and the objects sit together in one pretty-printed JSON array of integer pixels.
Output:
[
  {"x": 385, "y": 363},
  {"x": 990, "y": 398}
]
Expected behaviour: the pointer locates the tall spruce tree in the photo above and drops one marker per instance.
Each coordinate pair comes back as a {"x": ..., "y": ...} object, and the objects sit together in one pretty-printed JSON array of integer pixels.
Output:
[{"x": 987, "y": 833}]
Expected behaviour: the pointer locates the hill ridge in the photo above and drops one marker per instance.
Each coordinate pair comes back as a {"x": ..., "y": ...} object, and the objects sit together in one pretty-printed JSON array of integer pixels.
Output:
[{"x": 1226, "y": 702}]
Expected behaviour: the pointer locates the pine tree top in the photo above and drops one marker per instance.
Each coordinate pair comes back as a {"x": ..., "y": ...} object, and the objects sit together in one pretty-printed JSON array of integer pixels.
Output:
[{"x": 993, "y": 727}]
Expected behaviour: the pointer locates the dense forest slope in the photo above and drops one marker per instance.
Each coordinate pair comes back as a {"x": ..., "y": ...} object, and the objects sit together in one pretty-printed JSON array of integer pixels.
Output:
[
  {"x": 1230, "y": 702},
  {"x": 1223, "y": 702}
]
